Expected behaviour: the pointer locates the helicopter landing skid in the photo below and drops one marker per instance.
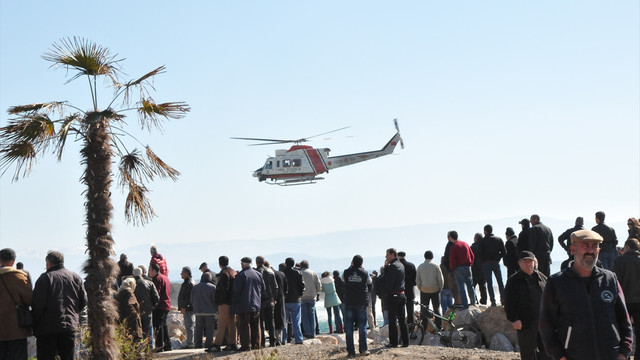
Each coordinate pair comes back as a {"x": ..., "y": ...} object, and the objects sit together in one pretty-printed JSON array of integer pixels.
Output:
[{"x": 291, "y": 182}]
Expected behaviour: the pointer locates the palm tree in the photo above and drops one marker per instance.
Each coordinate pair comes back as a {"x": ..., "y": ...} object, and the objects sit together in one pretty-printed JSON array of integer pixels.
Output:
[{"x": 42, "y": 127}]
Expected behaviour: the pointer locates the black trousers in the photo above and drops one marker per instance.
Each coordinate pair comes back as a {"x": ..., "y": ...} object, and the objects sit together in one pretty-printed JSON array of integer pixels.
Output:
[
  {"x": 268, "y": 323},
  {"x": 410, "y": 310},
  {"x": 434, "y": 298},
  {"x": 161, "y": 329},
  {"x": 50, "y": 345},
  {"x": 396, "y": 308},
  {"x": 634, "y": 313},
  {"x": 13, "y": 349},
  {"x": 249, "y": 330},
  {"x": 531, "y": 347}
]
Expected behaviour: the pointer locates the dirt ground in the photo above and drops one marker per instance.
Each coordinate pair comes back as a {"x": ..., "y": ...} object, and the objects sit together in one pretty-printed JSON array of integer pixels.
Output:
[{"x": 326, "y": 351}]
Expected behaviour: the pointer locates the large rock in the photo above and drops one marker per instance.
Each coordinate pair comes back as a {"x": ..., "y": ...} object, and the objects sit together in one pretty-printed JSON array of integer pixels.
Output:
[
  {"x": 499, "y": 342},
  {"x": 494, "y": 321},
  {"x": 468, "y": 316}
]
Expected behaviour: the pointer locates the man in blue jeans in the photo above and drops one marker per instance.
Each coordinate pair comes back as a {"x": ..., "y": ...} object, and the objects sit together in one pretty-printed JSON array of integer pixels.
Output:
[
  {"x": 312, "y": 287},
  {"x": 356, "y": 298},
  {"x": 292, "y": 299},
  {"x": 460, "y": 261}
]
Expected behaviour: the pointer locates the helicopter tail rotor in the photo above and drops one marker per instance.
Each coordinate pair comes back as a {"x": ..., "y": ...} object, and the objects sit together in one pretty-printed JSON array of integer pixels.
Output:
[{"x": 395, "y": 122}]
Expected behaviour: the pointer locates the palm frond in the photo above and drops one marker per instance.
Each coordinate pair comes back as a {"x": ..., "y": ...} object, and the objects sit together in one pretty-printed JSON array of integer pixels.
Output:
[
  {"x": 87, "y": 57},
  {"x": 63, "y": 132},
  {"x": 36, "y": 128},
  {"x": 139, "y": 82},
  {"x": 149, "y": 112},
  {"x": 160, "y": 168},
  {"x": 138, "y": 210},
  {"x": 22, "y": 154},
  {"x": 133, "y": 168},
  {"x": 32, "y": 108}
]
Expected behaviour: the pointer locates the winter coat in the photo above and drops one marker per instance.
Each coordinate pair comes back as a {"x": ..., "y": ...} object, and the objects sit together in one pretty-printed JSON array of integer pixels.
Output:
[
  {"x": 147, "y": 295},
  {"x": 164, "y": 292},
  {"x": 610, "y": 240},
  {"x": 540, "y": 241},
  {"x": 312, "y": 285},
  {"x": 184, "y": 296},
  {"x": 279, "y": 313},
  {"x": 584, "y": 325},
  {"x": 429, "y": 278},
  {"x": 409, "y": 278},
  {"x": 203, "y": 299},
  {"x": 247, "y": 291},
  {"x": 19, "y": 288},
  {"x": 356, "y": 286},
  {"x": 224, "y": 286},
  {"x": 520, "y": 303},
  {"x": 162, "y": 264},
  {"x": 58, "y": 299},
  {"x": 491, "y": 248},
  {"x": 270, "y": 284},
  {"x": 392, "y": 279},
  {"x": 627, "y": 269},
  {"x": 295, "y": 284},
  {"x": 331, "y": 298},
  {"x": 129, "y": 311}
]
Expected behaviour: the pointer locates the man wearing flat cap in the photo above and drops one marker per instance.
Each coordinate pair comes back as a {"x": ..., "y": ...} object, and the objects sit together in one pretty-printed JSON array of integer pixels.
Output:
[
  {"x": 522, "y": 305},
  {"x": 583, "y": 313},
  {"x": 247, "y": 300}
]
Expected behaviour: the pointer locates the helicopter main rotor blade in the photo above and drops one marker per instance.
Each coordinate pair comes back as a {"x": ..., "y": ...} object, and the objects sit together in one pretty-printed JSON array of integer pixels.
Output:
[
  {"x": 277, "y": 141},
  {"x": 325, "y": 133}
]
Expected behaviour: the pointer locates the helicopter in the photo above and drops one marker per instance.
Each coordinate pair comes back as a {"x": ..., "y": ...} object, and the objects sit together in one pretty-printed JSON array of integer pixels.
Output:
[{"x": 302, "y": 164}]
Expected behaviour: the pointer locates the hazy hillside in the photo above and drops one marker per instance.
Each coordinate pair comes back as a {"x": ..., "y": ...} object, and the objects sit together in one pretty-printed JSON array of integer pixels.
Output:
[{"x": 327, "y": 251}]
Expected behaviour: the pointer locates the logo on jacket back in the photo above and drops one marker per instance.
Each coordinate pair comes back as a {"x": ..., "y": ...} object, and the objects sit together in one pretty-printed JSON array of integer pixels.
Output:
[
  {"x": 607, "y": 296},
  {"x": 354, "y": 278}
]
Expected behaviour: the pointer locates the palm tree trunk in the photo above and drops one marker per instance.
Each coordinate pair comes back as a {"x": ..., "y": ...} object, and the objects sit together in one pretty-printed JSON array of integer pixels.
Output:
[{"x": 101, "y": 270}]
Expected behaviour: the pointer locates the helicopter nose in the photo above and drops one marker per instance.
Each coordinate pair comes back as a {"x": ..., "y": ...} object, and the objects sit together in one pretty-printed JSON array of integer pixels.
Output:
[{"x": 257, "y": 173}]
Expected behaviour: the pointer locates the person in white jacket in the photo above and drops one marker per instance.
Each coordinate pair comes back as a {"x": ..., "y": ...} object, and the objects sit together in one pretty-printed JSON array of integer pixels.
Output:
[{"x": 429, "y": 281}]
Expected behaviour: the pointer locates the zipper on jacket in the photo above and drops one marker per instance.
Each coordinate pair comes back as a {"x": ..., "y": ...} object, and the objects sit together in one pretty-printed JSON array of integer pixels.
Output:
[
  {"x": 613, "y": 326},
  {"x": 566, "y": 342}
]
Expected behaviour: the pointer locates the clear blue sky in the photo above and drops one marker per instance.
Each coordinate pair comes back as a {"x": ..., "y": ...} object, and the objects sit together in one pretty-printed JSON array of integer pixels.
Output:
[{"x": 506, "y": 108}]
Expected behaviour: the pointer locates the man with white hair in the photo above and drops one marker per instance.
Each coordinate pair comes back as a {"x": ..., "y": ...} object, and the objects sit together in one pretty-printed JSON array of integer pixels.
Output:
[{"x": 148, "y": 298}]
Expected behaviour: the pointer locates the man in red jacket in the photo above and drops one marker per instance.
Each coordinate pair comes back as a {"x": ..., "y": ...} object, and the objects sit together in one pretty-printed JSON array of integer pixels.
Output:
[
  {"x": 163, "y": 342},
  {"x": 460, "y": 261},
  {"x": 159, "y": 260}
]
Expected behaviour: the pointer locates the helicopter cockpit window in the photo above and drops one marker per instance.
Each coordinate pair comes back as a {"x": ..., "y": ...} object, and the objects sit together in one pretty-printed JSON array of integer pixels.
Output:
[
  {"x": 286, "y": 163},
  {"x": 296, "y": 163},
  {"x": 269, "y": 165}
]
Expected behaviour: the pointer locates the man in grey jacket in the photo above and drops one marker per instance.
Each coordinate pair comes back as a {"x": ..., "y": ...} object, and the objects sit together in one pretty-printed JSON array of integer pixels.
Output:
[
  {"x": 204, "y": 309},
  {"x": 430, "y": 283},
  {"x": 312, "y": 287},
  {"x": 148, "y": 298}
]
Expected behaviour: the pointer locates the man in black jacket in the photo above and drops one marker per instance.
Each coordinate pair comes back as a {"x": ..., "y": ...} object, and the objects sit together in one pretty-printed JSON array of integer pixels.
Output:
[
  {"x": 583, "y": 313},
  {"x": 522, "y": 305},
  {"x": 58, "y": 300},
  {"x": 268, "y": 304},
  {"x": 541, "y": 244},
  {"x": 409, "y": 283},
  {"x": 609, "y": 243},
  {"x": 227, "y": 332},
  {"x": 279, "y": 313},
  {"x": 393, "y": 287},
  {"x": 476, "y": 269},
  {"x": 292, "y": 299},
  {"x": 491, "y": 251},
  {"x": 356, "y": 297},
  {"x": 184, "y": 305},
  {"x": 627, "y": 268},
  {"x": 511, "y": 256}
]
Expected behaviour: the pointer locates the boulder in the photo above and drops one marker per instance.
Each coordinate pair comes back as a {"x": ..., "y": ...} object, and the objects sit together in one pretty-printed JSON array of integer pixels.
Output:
[
  {"x": 468, "y": 316},
  {"x": 499, "y": 342},
  {"x": 493, "y": 321},
  {"x": 328, "y": 339}
]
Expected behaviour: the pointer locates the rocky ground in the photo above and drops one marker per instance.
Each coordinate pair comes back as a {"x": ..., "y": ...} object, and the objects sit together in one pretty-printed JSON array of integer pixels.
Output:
[{"x": 330, "y": 351}]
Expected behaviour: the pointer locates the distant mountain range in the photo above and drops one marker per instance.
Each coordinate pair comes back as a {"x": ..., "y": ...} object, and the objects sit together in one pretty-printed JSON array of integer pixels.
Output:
[{"x": 326, "y": 251}]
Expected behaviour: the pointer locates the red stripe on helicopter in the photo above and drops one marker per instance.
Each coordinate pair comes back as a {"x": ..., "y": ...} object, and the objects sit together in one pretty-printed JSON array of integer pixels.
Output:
[{"x": 316, "y": 160}]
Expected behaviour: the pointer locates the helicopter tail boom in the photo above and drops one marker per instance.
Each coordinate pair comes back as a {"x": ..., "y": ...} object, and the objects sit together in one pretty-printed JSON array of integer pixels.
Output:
[{"x": 334, "y": 162}]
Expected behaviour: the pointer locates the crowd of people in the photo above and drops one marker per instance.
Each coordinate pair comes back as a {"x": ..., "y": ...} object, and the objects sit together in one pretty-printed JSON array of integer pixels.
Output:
[{"x": 577, "y": 312}]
